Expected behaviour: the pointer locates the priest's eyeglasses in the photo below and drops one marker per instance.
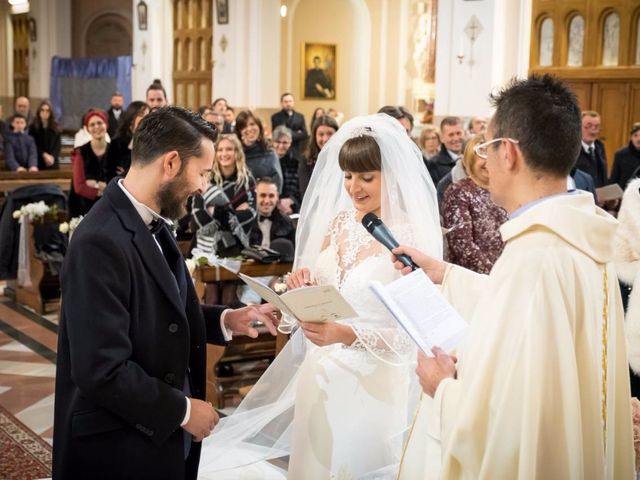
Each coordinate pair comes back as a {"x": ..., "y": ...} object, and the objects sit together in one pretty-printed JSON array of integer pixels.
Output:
[{"x": 482, "y": 149}]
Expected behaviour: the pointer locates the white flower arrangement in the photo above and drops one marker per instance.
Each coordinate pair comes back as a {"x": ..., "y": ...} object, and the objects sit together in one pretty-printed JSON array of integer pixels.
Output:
[
  {"x": 71, "y": 225},
  {"x": 191, "y": 265},
  {"x": 204, "y": 259},
  {"x": 32, "y": 210}
]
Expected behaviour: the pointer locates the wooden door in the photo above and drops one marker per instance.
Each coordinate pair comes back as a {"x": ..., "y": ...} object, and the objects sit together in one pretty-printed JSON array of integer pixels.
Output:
[
  {"x": 192, "y": 40},
  {"x": 634, "y": 104},
  {"x": 612, "y": 88},
  {"x": 610, "y": 99},
  {"x": 583, "y": 92}
]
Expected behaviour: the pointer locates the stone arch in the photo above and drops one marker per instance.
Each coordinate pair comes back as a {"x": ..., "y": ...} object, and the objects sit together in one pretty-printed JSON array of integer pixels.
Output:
[{"x": 108, "y": 35}]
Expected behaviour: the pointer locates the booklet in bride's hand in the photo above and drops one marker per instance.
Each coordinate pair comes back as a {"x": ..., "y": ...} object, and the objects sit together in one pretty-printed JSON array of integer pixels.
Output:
[
  {"x": 419, "y": 307},
  {"x": 309, "y": 304}
]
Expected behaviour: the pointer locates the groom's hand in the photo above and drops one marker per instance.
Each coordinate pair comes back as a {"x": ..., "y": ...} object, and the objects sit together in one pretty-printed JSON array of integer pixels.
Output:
[
  {"x": 241, "y": 320},
  {"x": 202, "y": 420}
]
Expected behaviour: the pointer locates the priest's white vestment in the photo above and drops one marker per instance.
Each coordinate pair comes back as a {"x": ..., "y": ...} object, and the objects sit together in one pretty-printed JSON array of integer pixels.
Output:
[{"x": 528, "y": 401}]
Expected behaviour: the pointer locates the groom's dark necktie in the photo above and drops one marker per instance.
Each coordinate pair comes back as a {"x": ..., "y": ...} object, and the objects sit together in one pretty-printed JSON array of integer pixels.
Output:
[{"x": 171, "y": 252}]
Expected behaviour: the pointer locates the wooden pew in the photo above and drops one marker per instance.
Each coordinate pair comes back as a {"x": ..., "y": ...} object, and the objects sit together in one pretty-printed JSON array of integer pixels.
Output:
[
  {"x": 9, "y": 181},
  {"x": 44, "y": 293},
  {"x": 248, "y": 357}
]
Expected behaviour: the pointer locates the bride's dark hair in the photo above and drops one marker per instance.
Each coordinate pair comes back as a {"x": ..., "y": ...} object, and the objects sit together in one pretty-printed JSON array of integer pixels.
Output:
[{"x": 360, "y": 154}]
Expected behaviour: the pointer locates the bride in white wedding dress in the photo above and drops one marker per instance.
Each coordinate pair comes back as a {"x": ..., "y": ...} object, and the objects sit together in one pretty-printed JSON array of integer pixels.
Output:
[{"x": 338, "y": 400}]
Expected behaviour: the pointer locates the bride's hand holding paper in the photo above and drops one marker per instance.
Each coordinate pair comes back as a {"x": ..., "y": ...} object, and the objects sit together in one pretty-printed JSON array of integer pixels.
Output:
[
  {"x": 327, "y": 333},
  {"x": 300, "y": 278}
]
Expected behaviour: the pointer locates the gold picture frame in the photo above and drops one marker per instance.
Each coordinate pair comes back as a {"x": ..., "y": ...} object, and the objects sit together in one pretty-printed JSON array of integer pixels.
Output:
[{"x": 318, "y": 71}]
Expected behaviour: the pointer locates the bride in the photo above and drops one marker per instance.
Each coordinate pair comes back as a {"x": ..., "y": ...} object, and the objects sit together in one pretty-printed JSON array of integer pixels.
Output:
[{"x": 339, "y": 398}]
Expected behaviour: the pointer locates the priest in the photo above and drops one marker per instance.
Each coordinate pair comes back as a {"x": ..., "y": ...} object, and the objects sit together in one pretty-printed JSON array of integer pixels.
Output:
[{"x": 539, "y": 388}]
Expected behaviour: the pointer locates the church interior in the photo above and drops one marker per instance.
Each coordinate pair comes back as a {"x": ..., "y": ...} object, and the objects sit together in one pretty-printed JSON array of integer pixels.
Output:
[{"x": 431, "y": 63}]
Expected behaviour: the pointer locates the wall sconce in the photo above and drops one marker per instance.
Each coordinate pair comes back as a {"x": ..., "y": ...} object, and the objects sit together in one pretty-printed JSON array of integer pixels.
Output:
[
  {"x": 472, "y": 30},
  {"x": 142, "y": 15},
  {"x": 33, "y": 30},
  {"x": 19, "y": 6}
]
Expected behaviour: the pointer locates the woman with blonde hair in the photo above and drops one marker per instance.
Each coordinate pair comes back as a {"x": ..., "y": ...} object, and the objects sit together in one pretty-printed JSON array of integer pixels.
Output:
[
  {"x": 473, "y": 219},
  {"x": 224, "y": 213}
]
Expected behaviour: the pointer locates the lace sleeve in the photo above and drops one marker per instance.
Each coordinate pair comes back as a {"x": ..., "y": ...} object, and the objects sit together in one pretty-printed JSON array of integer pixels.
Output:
[
  {"x": 379, "y": 334},
  {"x": 389, "y": 344}
]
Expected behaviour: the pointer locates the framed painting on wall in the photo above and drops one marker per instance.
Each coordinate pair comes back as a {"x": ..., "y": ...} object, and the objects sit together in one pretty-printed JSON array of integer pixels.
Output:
[{"x": 318, "y": 67}]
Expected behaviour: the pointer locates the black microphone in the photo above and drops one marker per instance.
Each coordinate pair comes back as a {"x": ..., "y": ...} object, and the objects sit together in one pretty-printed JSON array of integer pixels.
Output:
[{"x": 381, "y": 233}]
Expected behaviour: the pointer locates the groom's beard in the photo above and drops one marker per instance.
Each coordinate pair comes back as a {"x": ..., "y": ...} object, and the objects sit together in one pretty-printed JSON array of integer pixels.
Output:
[{"x": 172, "y": 197}]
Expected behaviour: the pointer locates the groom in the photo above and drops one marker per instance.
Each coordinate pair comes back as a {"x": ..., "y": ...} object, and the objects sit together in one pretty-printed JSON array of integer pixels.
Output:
[{"x": 130, "y": 382}]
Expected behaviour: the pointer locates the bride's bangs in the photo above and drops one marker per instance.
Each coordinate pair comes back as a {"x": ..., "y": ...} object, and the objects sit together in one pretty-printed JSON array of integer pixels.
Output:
[{"x": 360, "y": 154}]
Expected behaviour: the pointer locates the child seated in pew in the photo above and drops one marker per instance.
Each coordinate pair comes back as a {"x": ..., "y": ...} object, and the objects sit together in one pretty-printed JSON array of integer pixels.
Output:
[{"x": 20, "y": 149}]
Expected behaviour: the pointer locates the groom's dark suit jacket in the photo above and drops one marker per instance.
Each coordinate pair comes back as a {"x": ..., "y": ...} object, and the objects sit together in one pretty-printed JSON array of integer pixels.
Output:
[{"x": 125, "y": 343}]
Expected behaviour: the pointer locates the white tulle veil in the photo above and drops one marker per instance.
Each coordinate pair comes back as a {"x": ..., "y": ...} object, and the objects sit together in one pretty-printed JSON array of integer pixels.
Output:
[
  {"x": 408, "y": 196},
  {"x": 260, "y": 429}
]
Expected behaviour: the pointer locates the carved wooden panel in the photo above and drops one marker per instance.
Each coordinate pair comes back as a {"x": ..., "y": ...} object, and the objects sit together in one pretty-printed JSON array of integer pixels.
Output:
[
  {"x": 610, "y": 100},
  {"x": 634, "y": 105},
  {"x": 193, "y": 36},
  {"x": 583, "y": 92},
  {"x": 20, "y": 24},
  {"x": 608, "y": 78}
]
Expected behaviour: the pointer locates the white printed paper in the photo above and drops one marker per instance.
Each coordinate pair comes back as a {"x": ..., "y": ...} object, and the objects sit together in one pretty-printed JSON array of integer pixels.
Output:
[{"x": 421, "y": 309}]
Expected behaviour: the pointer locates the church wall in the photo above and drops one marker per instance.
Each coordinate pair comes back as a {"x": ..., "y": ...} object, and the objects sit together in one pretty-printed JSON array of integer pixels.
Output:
[
  {"x": 6, "y": 61},
  {"x": 53, "y": 39},
  {"x": 152, "y": 48},
  {"x": 371, "y": 39},
  {"x": 247, "y": 71},
  {"x": 317, "y": 21},
  {"x": 499, "y": 53}
]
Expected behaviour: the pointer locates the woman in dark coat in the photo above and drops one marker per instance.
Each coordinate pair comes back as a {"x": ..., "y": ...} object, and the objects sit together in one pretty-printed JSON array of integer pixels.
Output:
[
  {"x": 626, "y": 162},
  {"x": 323, "y": 128},
  {"x": 46, "y": 134},
  {"x": 261, "y": 160},
  {"x": 119, "y": 154}
]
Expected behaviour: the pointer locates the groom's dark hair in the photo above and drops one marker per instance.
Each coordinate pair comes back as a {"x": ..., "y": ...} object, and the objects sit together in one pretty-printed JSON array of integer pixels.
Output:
[
  {"x": 167, "y": 129},
  {"x": 360, "y": 154}
]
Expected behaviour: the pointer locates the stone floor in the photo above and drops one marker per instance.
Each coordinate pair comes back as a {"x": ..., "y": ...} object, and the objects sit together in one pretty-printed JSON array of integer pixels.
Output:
[{"x": 28, "y": 344}]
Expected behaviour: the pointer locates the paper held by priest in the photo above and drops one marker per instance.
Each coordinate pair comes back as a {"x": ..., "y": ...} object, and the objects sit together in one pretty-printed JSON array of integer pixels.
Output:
[
  {"x": 419, "y": 307},
  {"x": 322, "y": 303}
]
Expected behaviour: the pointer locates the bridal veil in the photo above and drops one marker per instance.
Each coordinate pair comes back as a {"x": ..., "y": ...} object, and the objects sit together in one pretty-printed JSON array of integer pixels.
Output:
[{"x": 260, "y": 429}]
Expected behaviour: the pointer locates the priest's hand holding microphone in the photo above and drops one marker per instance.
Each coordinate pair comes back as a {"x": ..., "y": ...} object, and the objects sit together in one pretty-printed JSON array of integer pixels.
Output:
[{"x": 431, "y": 371}]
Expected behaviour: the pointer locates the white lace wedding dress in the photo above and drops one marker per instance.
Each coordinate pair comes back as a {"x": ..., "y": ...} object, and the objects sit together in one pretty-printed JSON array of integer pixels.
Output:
[
  {"x": 352, "y": 403},
  {"x": 339, "y": 412}
]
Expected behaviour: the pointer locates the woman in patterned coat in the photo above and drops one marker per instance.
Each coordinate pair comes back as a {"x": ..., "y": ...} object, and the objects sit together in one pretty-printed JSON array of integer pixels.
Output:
[{"x": 472, "y": 219}]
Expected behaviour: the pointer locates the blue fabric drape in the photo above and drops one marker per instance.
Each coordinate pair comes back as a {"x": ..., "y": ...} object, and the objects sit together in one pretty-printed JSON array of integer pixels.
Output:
[{"x": 116, "y": 70}]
